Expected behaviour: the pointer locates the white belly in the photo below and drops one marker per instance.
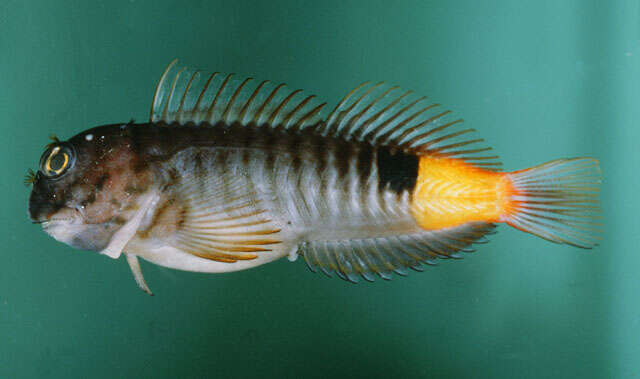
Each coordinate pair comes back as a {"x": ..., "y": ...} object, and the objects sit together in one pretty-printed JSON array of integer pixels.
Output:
[{"x": 169, "y": 256}]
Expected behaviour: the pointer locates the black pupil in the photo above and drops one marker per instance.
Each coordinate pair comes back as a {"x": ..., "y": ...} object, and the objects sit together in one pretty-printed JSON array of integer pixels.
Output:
[{"x": 57, "y": 162}]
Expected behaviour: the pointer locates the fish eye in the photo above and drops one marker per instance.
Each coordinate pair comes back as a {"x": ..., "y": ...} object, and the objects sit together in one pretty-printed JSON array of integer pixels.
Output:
[{"x": 55, "y": 161}]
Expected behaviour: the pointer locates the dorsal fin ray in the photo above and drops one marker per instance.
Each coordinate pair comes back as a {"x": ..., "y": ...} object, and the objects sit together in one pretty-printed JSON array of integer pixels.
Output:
[
  {"x": 384, "y": 115},
  {"x": 188, "y": 95}
]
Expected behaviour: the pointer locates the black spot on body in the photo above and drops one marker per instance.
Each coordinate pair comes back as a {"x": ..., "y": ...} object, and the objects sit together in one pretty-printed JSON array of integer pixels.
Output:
[
  {"x": 364, "y": 162},
  {"x": 134, "y": 189},
  {"x": 295, "y": 143},
  {"x": 220, "y": 158},
  {"x": 320, "y": 154},
  {"x": 89, "y": 200},
  {"x": 181, "y": 219},
  {"x": 118, "y": 220},
  {"x": 198, "y": 164},
  {"x": 140, "y": 165},
  {"x": 270, "y": 141},
  {"x": 246, "y": 157},
  {"x": 396, "y": 170},
  {"x": 136, "y": 146},
  {"x": 101, "y": 181},
  {"x": 343, "y": 154},
  {"x": 157, "y": 216},
  {"x": 173, "y": 176}
]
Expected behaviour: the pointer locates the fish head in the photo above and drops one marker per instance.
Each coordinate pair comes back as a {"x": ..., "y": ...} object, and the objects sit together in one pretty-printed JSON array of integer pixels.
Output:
[{"x": 86, "y": 188}]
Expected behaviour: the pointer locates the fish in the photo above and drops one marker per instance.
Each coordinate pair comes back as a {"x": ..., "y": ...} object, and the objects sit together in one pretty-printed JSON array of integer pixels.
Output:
[{"x": 230, "y": 173}]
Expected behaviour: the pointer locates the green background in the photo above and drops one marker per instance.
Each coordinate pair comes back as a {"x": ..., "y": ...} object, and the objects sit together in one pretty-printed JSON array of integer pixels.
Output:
[{"x": 539, "y": 80}]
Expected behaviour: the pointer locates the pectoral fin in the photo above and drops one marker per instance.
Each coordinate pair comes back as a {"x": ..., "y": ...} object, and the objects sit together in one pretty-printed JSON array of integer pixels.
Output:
[
  {"x": 122, "y": 237},
  {"x": 224, "y": 217},
  {"x": 132, "y": 260}
]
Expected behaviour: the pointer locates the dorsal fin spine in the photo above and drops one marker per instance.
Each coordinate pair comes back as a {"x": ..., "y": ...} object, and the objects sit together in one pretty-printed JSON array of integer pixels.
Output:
[
  {"x": 284, "y": 102},
  {"x": 250, "y": 101},
  {"x": 342, "y": 128},
  {"x": 479, "y": 158},
  {"x": 446, "y": 136},
  {"x": 331, "y": 118},
  {"x": 388, "y": 136},
  {"x": 408, "y": 132},
  {"x": 374, "y": 134},
  {"x": 460, "y": 152},
  {"x": 411, "y": 129},
  {"x": 362, "y": 133},
  {"x": 345, "y": 128},
  {"x": 212, "y": 107},
  {"x": 157, "y": 91},
  {"x": 173, "y": 87},
  {"x": 377, "y": 132},
  {"x": 300, "y": 105},
  {"x": 460, "y": 144},
  {"x": 371, "y": 112},
  {"x": 402, "y": 121},
  {"x": 204, "y": 89},
  {"x": 308, "y": 116},
  {"x": 358, "y": 133},
  {"x": 186, "y": 91},
  {"x": 258, "y": 114},
  {"x": 229, "y": 106},
  {"x": 336, "y": 125}
]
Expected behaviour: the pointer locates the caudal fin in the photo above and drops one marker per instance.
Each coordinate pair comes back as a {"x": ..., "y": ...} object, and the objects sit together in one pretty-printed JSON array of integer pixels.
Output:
[{"x": 557, "y": 201}]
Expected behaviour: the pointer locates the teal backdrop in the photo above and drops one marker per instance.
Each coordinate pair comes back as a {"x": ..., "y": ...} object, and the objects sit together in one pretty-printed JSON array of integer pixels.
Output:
[{"x": 539, "y": 80}]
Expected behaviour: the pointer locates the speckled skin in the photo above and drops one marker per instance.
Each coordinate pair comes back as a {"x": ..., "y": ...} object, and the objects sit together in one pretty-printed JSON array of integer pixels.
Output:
[{"x": 96, "y": 195}]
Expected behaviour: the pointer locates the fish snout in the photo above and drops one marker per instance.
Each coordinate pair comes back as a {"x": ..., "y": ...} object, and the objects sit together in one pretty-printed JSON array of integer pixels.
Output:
[{"x": 41, "y": 206}]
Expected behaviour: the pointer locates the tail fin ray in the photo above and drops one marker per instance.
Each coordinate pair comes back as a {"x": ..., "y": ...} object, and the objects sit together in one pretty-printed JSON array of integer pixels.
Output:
[{"x": 557, "y": 201}]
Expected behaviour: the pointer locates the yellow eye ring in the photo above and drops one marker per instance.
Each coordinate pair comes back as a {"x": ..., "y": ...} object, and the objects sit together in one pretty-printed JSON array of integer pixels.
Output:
[{"x": 48, "y": 170}]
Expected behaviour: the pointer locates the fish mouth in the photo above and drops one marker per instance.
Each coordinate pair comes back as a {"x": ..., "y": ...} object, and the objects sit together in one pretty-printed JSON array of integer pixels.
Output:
[
  {"x": 54, "y": 221},
  {"x": 66, "y": 216},
  {"x": 66, "y": 227}
]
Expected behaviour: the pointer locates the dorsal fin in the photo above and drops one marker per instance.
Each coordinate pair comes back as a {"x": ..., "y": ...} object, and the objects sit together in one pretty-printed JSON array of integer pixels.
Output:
[
  {"x": 189, "y": 95},
  {"x": 376, "y": 113},
  {"x": 386, "y": 115}
]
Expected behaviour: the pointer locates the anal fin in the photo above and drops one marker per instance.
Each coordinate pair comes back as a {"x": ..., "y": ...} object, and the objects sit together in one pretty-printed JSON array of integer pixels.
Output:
[{"x": 368, "y": 258}]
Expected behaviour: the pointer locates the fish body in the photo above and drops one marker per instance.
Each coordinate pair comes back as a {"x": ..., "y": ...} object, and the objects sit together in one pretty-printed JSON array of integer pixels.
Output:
[{"x": 226, "y": 177}]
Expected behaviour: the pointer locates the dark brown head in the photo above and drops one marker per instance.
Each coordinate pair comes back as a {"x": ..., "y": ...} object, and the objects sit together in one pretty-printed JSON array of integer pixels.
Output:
[{"x": 84, "y": 187}]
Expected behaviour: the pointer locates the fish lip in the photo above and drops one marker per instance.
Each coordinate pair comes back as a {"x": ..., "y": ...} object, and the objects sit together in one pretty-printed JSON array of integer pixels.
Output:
[
  {"x": 56, "y": 221},
  {"x": 51, "y": 221}
]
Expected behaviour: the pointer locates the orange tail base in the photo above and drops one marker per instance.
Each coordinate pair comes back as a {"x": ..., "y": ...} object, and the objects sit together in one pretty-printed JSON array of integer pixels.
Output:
[{"x": 556, "y": 201}]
